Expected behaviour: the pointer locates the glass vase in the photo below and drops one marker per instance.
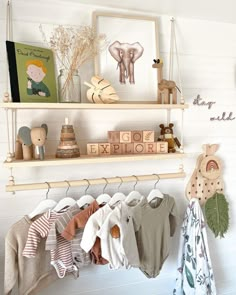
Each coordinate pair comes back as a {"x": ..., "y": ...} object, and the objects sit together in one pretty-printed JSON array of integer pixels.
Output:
[{"x": 69, "y": 86}]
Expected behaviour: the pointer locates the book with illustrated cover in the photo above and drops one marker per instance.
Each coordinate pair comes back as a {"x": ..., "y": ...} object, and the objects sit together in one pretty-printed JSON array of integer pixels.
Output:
[{"x": 32, "y": 73}]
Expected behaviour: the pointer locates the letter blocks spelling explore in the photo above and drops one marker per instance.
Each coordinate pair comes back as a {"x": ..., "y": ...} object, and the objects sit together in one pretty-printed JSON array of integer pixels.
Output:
[{"x": 128, "y": 142}]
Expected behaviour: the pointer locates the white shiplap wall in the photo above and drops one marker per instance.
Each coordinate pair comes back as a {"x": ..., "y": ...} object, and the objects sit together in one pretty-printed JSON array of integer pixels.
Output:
[{"x": 207, "y": 58}]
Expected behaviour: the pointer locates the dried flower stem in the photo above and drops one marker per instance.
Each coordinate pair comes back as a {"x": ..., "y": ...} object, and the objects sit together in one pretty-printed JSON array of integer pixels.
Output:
[{"x": 73, "y": 47}]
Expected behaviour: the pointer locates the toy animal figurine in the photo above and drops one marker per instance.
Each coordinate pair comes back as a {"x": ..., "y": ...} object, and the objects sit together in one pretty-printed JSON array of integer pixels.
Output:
[
  {"x": 27, "y": 139},
  {"x": 165, "y": 87},
  {"x": 167, "y": 134}
]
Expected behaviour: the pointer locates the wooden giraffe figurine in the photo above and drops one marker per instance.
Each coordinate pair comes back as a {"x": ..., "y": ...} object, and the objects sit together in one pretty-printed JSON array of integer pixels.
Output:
[{"x": 165, "y": 87}]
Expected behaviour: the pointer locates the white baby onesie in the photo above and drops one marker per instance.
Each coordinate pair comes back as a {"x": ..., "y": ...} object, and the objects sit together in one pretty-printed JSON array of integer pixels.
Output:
[
  {"x": 92, "y": 227},
  {"x": 121, "y": 251}
]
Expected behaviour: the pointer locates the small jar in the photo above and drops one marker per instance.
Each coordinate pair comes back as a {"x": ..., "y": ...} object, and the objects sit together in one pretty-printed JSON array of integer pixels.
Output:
[{"x": 69, "y": 86}]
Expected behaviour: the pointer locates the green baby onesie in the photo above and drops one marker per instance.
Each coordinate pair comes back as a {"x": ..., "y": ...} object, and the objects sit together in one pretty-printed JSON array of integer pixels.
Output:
[{"x": 157, "y": 225}]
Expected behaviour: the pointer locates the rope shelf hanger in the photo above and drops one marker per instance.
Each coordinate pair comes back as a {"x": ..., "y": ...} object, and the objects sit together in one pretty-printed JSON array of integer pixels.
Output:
[{"x": 75, "y": 183}]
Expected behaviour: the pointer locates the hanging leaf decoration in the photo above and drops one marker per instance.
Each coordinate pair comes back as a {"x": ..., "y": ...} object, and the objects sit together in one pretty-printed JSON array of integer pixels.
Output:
[
  {"x": 217, "y": 214},
  {"x": 101, "y": 91}
]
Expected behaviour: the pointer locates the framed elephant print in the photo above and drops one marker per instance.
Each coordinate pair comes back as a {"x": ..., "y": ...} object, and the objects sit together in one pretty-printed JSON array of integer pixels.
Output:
[{"x": 132, "y": 44}]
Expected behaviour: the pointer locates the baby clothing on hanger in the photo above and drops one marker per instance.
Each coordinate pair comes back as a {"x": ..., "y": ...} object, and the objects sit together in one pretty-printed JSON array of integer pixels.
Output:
[
  {"x": 195, "y": 273},
  {"x": 153, "y": 236},
  {"x": 80, "y": 257},
  {"x": 92, "y": 227},
  {"x": 31, "y": 275},
  {"x": 121, "y": 251},
  {"x": 61, "y": 257},
  {"x": 79, "y": 221}
]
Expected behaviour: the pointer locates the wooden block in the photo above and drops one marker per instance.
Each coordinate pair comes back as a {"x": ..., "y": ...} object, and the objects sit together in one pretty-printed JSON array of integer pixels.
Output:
[
  {"x": 104, "y": 149},
  {"x": 116, "y": 149},
  {"x": 162, "y": 147},
  {"x": 114, "y": 136},
  {"x": 150, "y": 147},
  {"x": 92, "y": 149},
  {"x": 139, "y": 148},
  {"x": 125, "y": 136},
  {"x": 128, "y": 148},
  {"x": 136, "y": 136},
  {"x": 148, "y": 136}
]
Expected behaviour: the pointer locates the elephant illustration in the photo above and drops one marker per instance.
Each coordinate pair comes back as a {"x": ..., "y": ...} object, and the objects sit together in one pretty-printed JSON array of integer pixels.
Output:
[{"x": 126, "y": 54}]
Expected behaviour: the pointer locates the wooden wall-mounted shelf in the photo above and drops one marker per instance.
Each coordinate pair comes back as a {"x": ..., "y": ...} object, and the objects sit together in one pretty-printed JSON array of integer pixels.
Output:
[
  {"x": 84, "y": 159},
  {"x": 117, "y": 106}
]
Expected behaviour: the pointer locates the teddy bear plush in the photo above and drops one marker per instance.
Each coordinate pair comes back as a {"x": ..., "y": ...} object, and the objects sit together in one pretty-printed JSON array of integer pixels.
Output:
[{"x": 167, "y": 134}]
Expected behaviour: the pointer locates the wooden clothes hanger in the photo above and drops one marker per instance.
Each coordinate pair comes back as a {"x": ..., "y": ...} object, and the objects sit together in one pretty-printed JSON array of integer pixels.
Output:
[
  {"x": 118, "y": 196},
  {"x": 65, "y": 202},
  {"x": 85, "y": 199},
  {"x": 155, "y": 193},
  {"x": 44, "y": 205},
  {"x": 133, "y": 195},
  {"x": 104, "y": 198}
]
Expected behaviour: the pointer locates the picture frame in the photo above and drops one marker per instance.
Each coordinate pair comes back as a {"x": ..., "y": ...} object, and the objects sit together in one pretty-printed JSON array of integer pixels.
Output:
[{"x": 135, "y": 38}]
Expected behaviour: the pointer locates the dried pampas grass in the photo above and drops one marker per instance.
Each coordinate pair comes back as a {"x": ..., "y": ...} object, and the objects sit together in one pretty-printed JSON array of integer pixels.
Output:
[{"x": 74, "y": 46}]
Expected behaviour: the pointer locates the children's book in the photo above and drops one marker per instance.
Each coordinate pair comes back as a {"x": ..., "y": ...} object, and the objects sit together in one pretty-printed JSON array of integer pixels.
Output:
[{"x": 32, "y": 73}]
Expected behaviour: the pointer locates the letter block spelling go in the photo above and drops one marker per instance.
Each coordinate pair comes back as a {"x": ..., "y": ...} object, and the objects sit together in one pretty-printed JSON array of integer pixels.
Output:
[
  {"x": 136, "y": 136},
  {"x": 125, "y": 136}
]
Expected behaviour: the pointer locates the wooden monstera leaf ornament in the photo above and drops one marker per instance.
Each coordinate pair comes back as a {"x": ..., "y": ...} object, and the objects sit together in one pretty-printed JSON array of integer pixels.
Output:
[
  {"x": 101, "y": 91},
  {"x": 206, "y": 178}
]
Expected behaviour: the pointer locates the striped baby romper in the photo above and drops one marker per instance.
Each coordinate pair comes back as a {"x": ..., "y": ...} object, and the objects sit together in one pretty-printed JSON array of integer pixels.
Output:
[{"x": 61, "y": 257}]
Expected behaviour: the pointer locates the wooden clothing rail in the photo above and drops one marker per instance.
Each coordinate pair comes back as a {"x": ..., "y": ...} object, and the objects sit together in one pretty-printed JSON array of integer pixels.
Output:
[{"x": 75, "y": 183}]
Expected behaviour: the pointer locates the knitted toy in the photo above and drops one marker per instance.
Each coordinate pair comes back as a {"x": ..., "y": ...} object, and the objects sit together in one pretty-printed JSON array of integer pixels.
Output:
[{"x": 167, "y": 134}]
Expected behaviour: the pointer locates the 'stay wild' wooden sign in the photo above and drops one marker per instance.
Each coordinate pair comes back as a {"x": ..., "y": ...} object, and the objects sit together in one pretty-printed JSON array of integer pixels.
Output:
[{"x": 198, "y": 101}]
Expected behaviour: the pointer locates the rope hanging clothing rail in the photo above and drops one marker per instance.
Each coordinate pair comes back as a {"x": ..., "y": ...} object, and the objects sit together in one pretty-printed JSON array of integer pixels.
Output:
[{"x": 84, "y": 182}]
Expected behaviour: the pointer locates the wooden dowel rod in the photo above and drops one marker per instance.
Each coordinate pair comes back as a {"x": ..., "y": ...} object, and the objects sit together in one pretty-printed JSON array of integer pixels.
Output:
[{"x": 75, "y": 183}]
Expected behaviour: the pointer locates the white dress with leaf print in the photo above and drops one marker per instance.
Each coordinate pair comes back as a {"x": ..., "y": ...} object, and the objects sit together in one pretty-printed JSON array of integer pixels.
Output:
[{"x": 195, "y": 274}]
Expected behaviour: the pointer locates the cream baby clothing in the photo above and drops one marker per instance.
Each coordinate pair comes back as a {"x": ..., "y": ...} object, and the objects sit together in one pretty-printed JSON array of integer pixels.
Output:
[
  {"x": 92, "y": 227},
  {"x": 121, "y": 251},
  {"x": 29, "y": 275},
  {"x": 157, "y": 225}
]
